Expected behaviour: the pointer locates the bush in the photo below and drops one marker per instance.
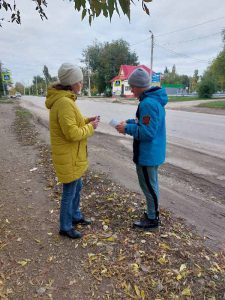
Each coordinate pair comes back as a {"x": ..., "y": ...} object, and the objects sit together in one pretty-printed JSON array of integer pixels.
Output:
[
  {"x": 108, "y": 91},
  {"x": 85, "y": 92},
  {"x": 206, "y": 88}
]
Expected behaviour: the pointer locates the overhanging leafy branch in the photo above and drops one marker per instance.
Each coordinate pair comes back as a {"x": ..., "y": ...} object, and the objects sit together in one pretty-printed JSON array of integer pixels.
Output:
[{"x": 90, "y": 9}]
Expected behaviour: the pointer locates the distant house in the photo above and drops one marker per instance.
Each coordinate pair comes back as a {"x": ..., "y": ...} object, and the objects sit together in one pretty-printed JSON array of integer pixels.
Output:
[{"x": 120, "y": 86}]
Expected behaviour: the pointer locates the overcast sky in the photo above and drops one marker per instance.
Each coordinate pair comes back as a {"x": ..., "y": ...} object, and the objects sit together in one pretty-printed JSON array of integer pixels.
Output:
[{"x": 26, "y": 48}]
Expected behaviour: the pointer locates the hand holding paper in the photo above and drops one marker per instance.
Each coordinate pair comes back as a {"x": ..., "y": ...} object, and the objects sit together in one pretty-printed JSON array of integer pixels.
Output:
[
  {"x": 94, "y": 118},
  {"x": 121, "y": 127}
]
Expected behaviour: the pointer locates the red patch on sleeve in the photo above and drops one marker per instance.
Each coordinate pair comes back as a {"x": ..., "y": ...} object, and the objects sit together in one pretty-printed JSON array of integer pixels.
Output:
[{"x": 146, "y": 120}]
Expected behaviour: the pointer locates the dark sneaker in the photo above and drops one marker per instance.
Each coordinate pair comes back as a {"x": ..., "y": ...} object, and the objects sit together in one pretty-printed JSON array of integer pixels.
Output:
[
  {"x": 73, "y": 234},
  {"x": 82, "y": 221},
  {"x": 146, "y": 223}
]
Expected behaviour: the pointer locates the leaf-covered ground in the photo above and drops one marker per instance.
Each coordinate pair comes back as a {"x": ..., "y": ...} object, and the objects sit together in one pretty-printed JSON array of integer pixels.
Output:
[{"x": 112, "y": 260}]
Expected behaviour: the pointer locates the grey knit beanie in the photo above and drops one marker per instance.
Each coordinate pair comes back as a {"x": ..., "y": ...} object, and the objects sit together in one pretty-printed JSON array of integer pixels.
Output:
[
  {"x": 69, "y": 74},
  {"x": 139, "y": 78}
]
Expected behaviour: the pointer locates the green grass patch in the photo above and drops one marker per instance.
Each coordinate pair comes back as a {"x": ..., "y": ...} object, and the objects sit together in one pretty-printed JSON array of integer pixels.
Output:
[
  {"x": 23, "y": 113},
  {"x": 131, "y": 99},
  {"x": 5, "y": 100},
  {"x": 214, "y": 104},
  {"x": 183, "y": 98}
]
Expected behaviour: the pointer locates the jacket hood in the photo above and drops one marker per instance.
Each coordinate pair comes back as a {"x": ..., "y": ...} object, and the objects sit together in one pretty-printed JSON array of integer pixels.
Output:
[
  {"x": 54, "y": 95},
  {"x": 157, "y": 93}
]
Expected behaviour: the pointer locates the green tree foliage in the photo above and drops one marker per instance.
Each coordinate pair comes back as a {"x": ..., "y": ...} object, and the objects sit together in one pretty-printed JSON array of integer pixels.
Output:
[
  {"x": 174, "y": 78},
  {"x": 206, "y": 87},
  {"x": 223, "y": 36},
  {"x": 166, "y": 71},
  {"x": 194, "y": 81},
  {"x": 38, "y": 86},
  {"x": 216, "y": 71},
  {"x": 88, "y": 8},
  {"x": 10, "y": 7},
  {"x": 19, "y": 87},
  {"x": 105, "y": 59},
  {"x": 47, "y": 75},
  {"x": 171, "y": 77},
  {"x": 38, "y": 79}
]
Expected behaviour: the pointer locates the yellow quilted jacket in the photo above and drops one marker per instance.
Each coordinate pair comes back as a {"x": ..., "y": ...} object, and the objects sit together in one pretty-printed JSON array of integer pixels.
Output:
[{"x": 69, "y": 132}]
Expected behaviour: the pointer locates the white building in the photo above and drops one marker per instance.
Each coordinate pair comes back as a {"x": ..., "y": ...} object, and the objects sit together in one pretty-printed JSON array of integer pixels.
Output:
[{"x": 120, "y": 86}]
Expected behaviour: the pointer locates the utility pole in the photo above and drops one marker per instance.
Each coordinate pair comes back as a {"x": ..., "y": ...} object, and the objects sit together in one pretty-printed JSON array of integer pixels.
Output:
[
  {"x": 89, "y": 78},
  {"x": 151, "y": 64}
]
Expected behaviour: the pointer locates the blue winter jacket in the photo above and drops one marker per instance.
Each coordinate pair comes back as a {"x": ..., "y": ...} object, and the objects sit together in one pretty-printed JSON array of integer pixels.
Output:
[{"x": 149, "y": 128}]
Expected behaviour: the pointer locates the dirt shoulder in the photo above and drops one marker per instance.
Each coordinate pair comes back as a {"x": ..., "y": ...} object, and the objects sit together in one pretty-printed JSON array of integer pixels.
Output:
[
  {"x": 205, "y": 110},
  {"x": 190, "y": 106},
  {"x": 193, "y": 106},
  {"x": 112, "y": 261}
]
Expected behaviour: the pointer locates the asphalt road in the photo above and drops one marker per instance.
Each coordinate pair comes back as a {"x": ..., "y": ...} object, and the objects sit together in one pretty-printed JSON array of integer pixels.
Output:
[
  {"x": 202, "y": 132},
  {"x": 193, "y": 178}
]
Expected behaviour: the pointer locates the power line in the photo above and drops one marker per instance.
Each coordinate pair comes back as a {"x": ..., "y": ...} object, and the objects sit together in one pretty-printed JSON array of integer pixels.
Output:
[
  {"x": 182, "y": 54},
  {"x": 193, "y": 26},
  {"x": 140, "y": 42},
  {"x": 182, "y": 29},
  {"x": 198, "y": 38}
]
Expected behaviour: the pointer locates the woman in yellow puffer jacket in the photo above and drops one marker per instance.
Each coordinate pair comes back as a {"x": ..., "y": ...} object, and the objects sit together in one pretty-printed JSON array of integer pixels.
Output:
[{"x": 69, "y": 131}]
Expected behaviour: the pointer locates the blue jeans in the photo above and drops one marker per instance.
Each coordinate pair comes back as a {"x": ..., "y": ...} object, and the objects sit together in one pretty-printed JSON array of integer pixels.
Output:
[
  {"x": 148, "y": 180},
  {"x": 70, "y": 204}
]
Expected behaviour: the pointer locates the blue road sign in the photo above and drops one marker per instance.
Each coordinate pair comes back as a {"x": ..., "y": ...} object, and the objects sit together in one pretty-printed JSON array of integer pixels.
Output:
[{"x": 156, "y": 77}]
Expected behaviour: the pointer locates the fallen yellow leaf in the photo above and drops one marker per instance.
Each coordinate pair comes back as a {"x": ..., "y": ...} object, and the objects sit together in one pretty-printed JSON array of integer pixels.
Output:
[
  {"x": 135, "y": 267},
  {"x": 164, "y": 246},
  {"x": 186, "y": 292},
  {"x": 104, "y": 270},
  {"x": 37, "y": 241},
  {"x": 142, "y": 295},
  {"x": 179, "y": 277},
  {"x": 183, "y": 267},
  {"x": 111, "y": 239},
  {"x": 137, "y": 291},
  {"x": 121, "y": 257},
  {"x": 162, "y": 260},
  {"x": 23, "y": 262}
]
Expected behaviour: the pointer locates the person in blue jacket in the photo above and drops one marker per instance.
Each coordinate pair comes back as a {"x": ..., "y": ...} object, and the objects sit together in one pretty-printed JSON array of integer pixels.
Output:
[{"x": 149, "y": 141}]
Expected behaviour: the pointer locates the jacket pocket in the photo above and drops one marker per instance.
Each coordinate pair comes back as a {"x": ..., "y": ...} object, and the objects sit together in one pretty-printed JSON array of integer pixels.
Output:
[
  {"x": 82, "y": 151},
  {"x": 79, "y": 153}
]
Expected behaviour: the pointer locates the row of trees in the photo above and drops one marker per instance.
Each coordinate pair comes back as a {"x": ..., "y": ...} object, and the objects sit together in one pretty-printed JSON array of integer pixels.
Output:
[
  {"x": 39, "y": 84},
  {"x": 189, "y": 82},
  {"x": 213, "y": 78},
  {"x": 102, "y": 62}
]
